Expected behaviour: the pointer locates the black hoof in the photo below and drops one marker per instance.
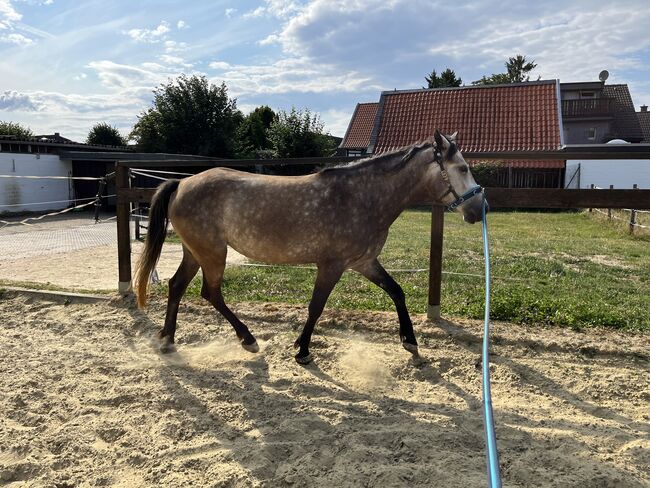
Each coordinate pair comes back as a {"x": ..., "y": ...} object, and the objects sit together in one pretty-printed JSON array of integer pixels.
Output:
[
  {"x": 304, "y": 359},
  {"x": 412, "y": 348},
  {"x": 251, "y": 347},
  {"x": 166, "y": 345}
]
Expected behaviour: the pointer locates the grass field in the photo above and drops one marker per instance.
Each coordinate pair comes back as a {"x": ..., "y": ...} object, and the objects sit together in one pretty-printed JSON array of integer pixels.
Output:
[{"x": 569, "y": 269}]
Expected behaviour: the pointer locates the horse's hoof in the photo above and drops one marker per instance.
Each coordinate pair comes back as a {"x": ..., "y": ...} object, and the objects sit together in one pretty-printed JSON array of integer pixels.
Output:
[
  {"x": 166, "y": 345},
  {"x": 412, "y": 348},
  {"x": 251, "y": 347},
  {"x": 304, "y": 359}
]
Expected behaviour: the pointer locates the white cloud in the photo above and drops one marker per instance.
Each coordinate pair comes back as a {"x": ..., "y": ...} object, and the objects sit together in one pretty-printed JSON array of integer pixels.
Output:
[
  {"x": 230, "y": 12},
  {"x": 12, "y": 100},
  {"x": 17, "y": 39},
  {"x": 174, "y": 61},
  {"x": 149, "y": 35},
  {"x": 221, "y": 65},
  {"x": 174, "y": 46},
  {"x": 8, "y": 12},
  {"x": 117, "y": 76},
  {"x": 336, "y": 121},
  {"x": 181, "y": 24},
  {"x": 297, "y": 75}
]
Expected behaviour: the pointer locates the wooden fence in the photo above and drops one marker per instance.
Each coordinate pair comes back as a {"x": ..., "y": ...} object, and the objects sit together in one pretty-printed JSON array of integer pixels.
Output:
[{"x": 497, "y": 197}]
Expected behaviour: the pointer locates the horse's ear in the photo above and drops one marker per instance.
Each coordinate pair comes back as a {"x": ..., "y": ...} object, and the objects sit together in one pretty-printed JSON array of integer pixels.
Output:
[
  {"x": 437, "y": 136},
  {"x": 441, "y": 141},
  {"x": 453, "y": 137}
]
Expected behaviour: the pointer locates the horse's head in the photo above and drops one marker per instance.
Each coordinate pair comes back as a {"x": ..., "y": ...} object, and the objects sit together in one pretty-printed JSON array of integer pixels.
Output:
[{"x": 448, "y": 177}]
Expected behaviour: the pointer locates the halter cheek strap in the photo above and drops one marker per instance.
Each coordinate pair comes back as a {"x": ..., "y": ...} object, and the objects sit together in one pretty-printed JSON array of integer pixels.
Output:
[{"x": 450, "y": 188}]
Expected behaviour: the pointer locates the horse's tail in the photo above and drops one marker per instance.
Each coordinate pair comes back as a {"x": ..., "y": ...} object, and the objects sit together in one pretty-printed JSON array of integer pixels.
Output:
[{"x": 156, "y": 234}]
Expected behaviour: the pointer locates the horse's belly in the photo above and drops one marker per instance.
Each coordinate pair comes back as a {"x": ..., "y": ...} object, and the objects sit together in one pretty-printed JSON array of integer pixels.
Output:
[{"x": 288, "y": 250}]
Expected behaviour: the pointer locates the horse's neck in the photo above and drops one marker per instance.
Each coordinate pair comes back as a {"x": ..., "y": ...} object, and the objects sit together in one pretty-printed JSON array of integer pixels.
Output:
[{"x": 392, "y": 193}]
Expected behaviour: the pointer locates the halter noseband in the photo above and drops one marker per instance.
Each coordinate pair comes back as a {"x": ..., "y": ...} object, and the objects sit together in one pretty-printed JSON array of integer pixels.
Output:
[{"x": 450, "y": 188}]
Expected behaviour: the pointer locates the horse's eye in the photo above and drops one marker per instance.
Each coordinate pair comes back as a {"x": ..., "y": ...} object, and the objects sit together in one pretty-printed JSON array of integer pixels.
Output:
[{"x": 464, "y": 169}]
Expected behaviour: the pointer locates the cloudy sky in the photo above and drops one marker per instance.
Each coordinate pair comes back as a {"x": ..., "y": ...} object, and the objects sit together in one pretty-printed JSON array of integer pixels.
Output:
[{"x": 67, "y": 64}]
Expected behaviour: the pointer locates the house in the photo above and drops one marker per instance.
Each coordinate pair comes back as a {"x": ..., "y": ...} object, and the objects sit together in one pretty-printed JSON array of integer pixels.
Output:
[
  {"x": 644, "y": 122},
  {"x": 521, "y": 116},
  {"x": 595, "y": 113}
]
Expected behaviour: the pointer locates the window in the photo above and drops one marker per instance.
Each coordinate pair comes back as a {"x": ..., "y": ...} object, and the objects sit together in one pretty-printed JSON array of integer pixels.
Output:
[
  {"x": 591, "y": 133},
  {"x": 587, "y": 94},
  {"x": 354, "y": 152}
]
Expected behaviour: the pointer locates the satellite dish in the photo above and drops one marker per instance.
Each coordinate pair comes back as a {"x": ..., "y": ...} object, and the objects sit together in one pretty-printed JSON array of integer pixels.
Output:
[{"x": 604, "y": 74}]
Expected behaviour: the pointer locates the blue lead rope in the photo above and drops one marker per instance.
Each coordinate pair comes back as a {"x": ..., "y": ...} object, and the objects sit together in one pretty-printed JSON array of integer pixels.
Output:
[{"x": 492, "y": 454}]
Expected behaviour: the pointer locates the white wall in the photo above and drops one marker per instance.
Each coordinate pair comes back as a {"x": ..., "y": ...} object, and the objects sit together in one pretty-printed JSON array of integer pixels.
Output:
[
  {"x": 17, "y": 193},
  {"x": 620, "y": 173}
]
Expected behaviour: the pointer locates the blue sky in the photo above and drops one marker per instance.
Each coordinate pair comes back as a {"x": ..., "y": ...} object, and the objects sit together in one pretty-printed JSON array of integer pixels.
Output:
[{"x": 66, "y": 65}]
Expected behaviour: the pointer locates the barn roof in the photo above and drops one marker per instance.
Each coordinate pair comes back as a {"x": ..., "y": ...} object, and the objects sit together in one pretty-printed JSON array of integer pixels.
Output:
[{"x": 358, "y": 134}]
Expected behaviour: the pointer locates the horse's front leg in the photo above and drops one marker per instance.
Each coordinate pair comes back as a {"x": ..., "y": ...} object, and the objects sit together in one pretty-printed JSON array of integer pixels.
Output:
[
  {"x": 327, "y": 277},
  {"x": 376, "y": 273}
]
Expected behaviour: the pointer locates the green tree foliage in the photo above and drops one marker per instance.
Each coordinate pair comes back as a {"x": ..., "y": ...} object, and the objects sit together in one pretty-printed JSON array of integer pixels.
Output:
[
  {"x": 517, "y": 71},
  {"x": 253, "y": 134},
  {"x": 105, "y": 134},
  {"x": 446, "y": 79},
  {"x": 191, "y": 116},
  {"x": 15, "y": 129},
  {"x": 299, "y": 134}
]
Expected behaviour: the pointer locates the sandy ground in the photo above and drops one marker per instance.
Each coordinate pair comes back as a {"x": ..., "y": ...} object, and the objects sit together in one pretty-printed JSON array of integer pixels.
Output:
[
  {"x": 86, "y": 400},
  {"x": 93, "y": 268}
]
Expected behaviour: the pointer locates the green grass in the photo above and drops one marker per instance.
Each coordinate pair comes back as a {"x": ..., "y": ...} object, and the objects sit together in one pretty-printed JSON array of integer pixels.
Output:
[{"x": 568, "y": 269}]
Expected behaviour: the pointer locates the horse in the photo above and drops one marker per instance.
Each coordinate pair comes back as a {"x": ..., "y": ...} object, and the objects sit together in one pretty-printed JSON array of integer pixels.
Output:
[{"x": 337, "y": 218}]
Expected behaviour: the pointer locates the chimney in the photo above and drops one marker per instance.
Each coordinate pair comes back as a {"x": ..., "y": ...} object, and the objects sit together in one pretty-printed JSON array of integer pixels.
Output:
[
  {"x": 56, "y": 134},
  {"x": 644, "y": 108}
]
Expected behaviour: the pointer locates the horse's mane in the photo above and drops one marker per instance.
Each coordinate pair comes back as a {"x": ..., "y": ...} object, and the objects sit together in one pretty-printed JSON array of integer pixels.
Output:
[{"x": 386, "y": 163}]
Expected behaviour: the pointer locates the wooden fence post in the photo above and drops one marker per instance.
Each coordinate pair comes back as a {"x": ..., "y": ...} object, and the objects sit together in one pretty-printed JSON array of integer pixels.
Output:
[
  {"x": 435, "y": 261},
  {"x": 123, "y": 230},
  {"x": 633, "y": 214},
  {"x": 591, "y": 209},
  {"x": 609, "y": 210}
]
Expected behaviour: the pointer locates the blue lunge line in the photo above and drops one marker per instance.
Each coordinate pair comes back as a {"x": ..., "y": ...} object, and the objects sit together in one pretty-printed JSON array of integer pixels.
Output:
[{"x": 494, "y": 475}]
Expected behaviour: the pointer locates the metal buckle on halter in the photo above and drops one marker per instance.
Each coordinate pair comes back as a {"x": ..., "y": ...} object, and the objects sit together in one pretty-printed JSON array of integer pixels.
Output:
[{"x": 466, "y": 196}]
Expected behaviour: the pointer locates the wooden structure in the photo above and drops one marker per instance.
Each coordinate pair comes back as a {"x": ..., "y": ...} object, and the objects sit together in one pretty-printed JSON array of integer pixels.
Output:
[{"x": 497, "y": 197}]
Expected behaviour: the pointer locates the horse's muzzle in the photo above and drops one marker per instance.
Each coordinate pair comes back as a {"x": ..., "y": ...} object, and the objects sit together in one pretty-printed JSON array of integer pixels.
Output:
[{"x": 474, "y": 213}]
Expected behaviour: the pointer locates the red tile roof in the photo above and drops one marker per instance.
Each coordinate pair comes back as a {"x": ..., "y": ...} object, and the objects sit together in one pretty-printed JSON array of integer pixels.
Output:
[
  {"x": 488, "y": 118},
  {"x": 360, "y": 128}
]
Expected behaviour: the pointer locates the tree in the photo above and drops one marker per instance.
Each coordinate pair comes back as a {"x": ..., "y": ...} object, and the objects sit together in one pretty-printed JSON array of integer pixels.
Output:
[
  {"x": 15, "y": 129},
  {"x": 105, "y": 134},
  {"x": 446, "y": 79},
  {"x": 517, "y": 71},
  {"x": 191, "y": 116},
  {"x": 252, "y": 134},
  {"x": 299, "y": 134}
]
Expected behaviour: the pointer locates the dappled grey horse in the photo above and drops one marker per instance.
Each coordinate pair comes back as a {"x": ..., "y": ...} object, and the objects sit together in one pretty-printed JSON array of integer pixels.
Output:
[{"x": 337, "y": 218}]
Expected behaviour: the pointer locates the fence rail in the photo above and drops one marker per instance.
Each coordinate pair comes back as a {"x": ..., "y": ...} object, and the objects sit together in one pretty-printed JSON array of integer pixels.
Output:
[{"x": 497, "y": 197}]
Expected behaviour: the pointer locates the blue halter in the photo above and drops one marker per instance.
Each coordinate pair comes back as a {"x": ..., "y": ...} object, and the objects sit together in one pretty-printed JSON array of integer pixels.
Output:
[{"x": 472, "y": 192}]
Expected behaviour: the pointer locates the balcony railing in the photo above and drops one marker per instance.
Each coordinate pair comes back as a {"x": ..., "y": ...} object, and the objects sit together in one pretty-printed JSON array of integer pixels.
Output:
[{"x": 591, "y": 107}]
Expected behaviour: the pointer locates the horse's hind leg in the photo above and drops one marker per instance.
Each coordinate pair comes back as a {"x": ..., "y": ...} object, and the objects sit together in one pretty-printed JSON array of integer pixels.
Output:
[
  {"x": 376, "y": 273},
  {"x": 326, "y": 279},
  {"x": 211, "y": 291},
  {"x": 177, "y": 286}
]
